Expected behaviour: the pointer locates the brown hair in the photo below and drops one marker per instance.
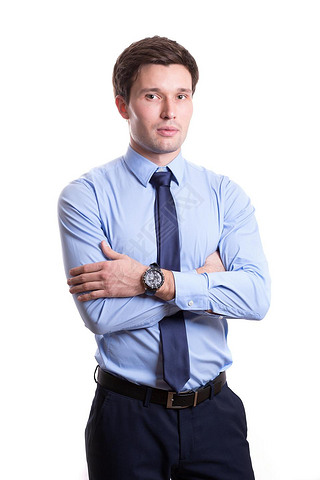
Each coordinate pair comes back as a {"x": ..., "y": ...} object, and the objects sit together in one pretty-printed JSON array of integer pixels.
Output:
[{"x": 156, "y": 50}]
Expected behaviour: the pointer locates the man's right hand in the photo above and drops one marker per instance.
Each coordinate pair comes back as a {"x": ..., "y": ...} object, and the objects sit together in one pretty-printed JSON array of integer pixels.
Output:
[{"x": 212, "y": 264}]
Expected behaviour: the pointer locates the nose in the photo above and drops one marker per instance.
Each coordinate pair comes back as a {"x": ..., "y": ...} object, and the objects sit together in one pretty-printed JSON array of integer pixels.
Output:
[{"x": 168, "y": 112}]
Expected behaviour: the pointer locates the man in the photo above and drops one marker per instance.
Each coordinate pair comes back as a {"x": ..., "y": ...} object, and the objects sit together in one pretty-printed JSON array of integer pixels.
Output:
[{"x": 159, "y": 253}]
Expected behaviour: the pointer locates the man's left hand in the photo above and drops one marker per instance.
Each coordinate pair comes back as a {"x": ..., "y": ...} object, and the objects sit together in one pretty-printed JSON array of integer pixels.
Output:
[{"x": 120, "y": 277}]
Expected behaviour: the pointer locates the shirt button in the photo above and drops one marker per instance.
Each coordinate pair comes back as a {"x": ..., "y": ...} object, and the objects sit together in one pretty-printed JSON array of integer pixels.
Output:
[{"x": 190, "y": 303}]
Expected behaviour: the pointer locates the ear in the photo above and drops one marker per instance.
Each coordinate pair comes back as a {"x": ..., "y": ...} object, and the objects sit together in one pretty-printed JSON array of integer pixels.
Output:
[{"x": 122, "y": 107}]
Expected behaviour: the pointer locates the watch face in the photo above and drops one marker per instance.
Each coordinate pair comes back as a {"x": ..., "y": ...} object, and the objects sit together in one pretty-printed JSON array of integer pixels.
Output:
[{"x": 153, "y": 279}]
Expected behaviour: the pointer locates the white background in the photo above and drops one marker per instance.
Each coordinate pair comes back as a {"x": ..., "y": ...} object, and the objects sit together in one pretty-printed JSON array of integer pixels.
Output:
[{"x": 256, "y": 120}]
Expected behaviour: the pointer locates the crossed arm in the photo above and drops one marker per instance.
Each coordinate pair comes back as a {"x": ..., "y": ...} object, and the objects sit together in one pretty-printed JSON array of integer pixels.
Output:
[
  {"x": 109, "y": 292},
  {"x": 121, "y": 277}
]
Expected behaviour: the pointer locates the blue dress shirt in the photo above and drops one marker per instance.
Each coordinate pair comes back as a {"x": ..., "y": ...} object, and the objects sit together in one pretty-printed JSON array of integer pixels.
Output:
[{"x": 115, "y": 202}]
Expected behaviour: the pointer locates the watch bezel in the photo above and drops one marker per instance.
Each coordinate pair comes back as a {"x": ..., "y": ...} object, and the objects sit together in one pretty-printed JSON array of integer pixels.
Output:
[{"x": 148, "y": 289}]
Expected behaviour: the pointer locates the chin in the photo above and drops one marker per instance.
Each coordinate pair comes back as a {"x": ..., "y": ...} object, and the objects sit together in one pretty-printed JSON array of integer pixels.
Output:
[{"x": 166, "y": 147}]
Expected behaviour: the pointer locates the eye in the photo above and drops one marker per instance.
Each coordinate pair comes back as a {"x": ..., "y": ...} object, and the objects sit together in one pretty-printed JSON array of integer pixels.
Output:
[
  {"x": 182, "y": 96},
  {"x": 151, "y": 96}
]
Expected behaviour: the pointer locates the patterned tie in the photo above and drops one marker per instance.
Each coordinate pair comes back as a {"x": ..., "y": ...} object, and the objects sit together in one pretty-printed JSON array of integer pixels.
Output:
[{"x": 176, "y": 367}]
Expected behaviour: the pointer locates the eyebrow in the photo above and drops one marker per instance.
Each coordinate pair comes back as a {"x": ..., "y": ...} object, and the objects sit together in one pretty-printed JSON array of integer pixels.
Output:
[{"x": 158, "y": 90}]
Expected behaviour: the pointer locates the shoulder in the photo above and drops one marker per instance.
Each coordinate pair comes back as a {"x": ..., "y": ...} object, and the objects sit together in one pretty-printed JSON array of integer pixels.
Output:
[
  {"x": 103, "y": 173},
  {"x": 85, "y": 189},
  {"x": 226, "y": 190},
  {"x": 200, "y": 173},
  {"x": 95, "y": 177}
]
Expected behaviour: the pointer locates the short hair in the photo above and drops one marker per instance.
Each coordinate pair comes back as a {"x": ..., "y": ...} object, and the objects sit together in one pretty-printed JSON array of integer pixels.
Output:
[{"x": 155, "y": 50}]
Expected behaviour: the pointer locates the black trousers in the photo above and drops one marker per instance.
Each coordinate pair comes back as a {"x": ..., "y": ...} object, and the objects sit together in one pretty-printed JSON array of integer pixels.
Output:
[{"x": 129, "y": 440}]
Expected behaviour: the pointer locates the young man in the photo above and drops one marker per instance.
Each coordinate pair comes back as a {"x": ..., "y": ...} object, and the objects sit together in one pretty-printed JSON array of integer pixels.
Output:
[{"x": 159, "y": 253}]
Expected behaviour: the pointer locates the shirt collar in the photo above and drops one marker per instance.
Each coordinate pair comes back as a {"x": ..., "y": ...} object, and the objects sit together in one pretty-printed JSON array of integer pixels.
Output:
[{"x": 143, "y": 168}]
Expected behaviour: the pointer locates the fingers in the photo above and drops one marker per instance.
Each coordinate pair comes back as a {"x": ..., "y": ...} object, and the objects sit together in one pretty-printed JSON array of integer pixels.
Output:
[
  {"x": 86, "y": 287},
  {"x": 120, "y": 277},
  {"x": 96, "y": 267},
  {"x": 108, "y": 252},
  {"x": 91, "y": 296},
  {"x": 84, "y": 278},
  {"x": 213, "y": 255},
  {"x": 88, "y": 268},
  {"x": 212, "y": 264}
]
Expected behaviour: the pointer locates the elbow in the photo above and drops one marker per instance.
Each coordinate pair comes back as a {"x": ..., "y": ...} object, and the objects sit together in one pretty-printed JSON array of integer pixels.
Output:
[
  {"x": 262, "y": 300},
  {"x": 95, "y": 327},
  {"x": 92, "y": 325},
  {"x": 92, "y": 315},
  {"x": 262, "y": 309}
]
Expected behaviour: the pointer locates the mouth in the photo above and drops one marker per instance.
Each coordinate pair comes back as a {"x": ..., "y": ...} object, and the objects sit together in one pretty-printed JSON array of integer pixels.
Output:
[{"x": 167, "y": 131}]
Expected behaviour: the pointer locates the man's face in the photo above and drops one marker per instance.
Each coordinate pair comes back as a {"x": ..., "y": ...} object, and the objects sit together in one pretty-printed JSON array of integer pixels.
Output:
[{"x": 159, "y": 111}]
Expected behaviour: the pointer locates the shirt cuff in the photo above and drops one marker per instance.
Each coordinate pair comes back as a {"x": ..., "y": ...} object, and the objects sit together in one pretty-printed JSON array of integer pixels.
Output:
[{"x": 191, "y": 291}]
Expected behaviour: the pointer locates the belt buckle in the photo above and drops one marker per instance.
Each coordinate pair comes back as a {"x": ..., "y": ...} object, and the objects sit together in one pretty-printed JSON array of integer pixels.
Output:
[{"x": 170, "y": 400}]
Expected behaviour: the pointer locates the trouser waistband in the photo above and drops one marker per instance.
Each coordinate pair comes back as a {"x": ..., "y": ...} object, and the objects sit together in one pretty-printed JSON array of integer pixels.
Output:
[{"x": 169, "y": 399}]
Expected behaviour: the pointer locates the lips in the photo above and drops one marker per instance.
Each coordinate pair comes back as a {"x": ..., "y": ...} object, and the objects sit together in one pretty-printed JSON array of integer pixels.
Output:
[{"x": 167, "y": 131}]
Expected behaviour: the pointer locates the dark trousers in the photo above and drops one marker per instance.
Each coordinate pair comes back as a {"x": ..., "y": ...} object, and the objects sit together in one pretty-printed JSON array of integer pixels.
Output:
[{"x": 127, "y": 439}]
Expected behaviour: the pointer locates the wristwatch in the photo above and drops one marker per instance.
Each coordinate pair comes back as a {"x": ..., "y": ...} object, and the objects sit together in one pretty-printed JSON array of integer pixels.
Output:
[{"x": 152, "y": 279}]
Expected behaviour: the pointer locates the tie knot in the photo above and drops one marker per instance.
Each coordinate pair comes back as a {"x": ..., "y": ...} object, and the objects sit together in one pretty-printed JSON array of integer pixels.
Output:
[{"x": 160, "y": 179}]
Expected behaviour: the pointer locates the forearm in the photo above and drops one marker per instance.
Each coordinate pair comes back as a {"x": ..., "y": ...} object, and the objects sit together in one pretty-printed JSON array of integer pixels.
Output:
[
  {"x": 81, "y": 237},
  {"x": 240, "y": 294},
  {"x": 234, "y": 294},
  {"x": 243, "y": 290},
  {"x": 110, "y": 315},
  {"x": 103, "y": 306}
]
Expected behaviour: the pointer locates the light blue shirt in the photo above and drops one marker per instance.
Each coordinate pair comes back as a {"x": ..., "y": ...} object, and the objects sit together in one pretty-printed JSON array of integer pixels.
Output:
[{"x": 115, "y": 202}]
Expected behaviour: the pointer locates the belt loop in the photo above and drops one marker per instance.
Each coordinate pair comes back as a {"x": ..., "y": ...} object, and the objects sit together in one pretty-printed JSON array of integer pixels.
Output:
[
  {"x": 211, "y": 390},
  {"x": 147, "y": 397}
]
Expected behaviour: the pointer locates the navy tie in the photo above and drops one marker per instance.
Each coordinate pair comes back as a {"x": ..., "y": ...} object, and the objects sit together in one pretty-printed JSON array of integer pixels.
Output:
[{"x": 176, "y": 367}]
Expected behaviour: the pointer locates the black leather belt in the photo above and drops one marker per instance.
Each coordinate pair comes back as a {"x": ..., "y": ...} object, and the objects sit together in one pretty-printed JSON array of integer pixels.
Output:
[{"x": 191, "y": 398}]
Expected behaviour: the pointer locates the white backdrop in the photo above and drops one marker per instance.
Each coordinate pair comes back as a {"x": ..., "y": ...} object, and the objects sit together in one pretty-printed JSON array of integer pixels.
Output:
[{"x": 256, "y": 110}]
